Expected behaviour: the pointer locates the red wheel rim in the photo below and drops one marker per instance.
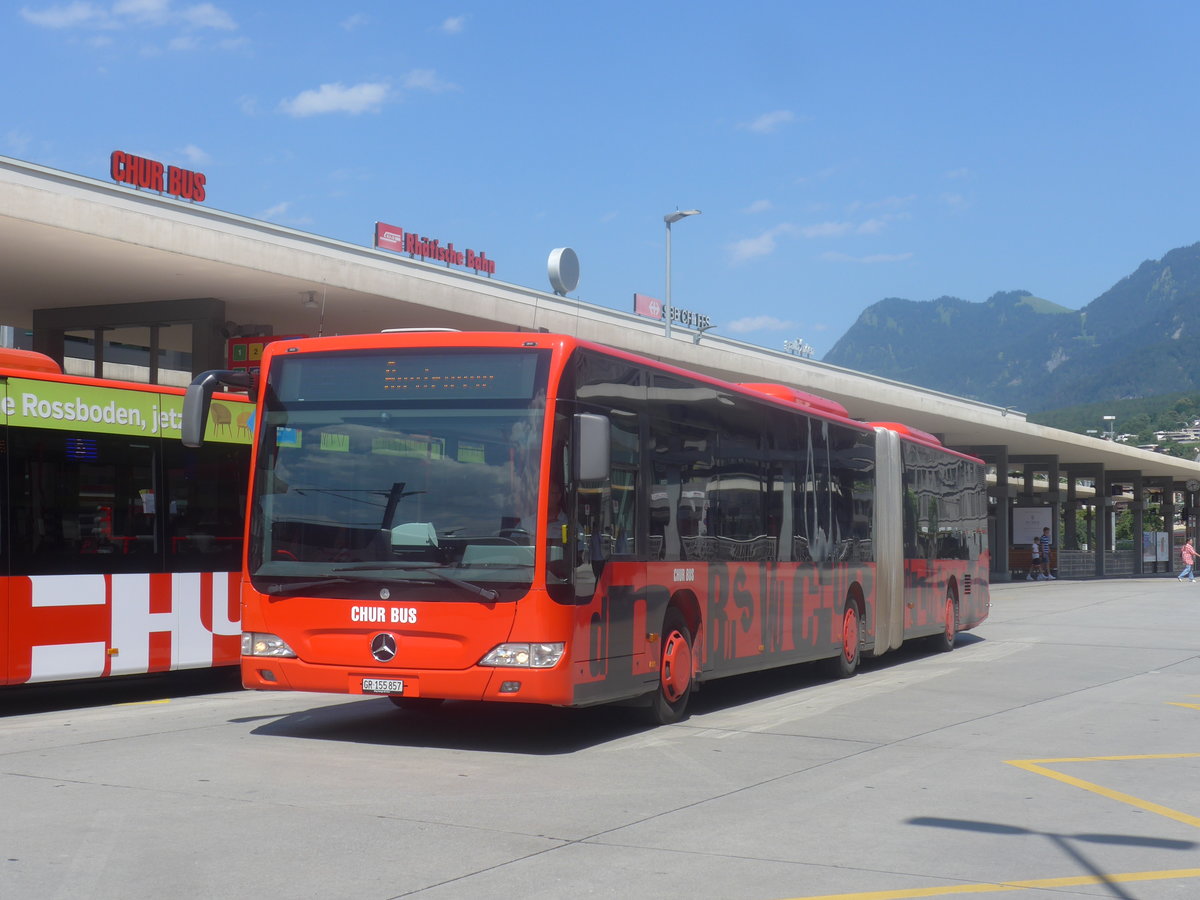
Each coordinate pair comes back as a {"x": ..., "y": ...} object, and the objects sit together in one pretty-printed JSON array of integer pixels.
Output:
[
  {"x": 850, "y": 634},
  {"x": 676, "y": 666},
  {"x": 949, "y": 617}
]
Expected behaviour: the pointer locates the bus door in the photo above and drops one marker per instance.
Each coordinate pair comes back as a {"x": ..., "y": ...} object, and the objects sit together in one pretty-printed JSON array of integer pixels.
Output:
[{"x": 608, "y": 578}]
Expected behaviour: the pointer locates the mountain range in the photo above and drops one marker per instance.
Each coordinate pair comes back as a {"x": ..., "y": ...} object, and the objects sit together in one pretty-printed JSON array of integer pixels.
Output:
[{"x": 1138, "y": 339}]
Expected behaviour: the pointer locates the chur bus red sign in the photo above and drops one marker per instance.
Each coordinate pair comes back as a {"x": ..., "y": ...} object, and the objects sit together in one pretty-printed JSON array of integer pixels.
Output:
[
  {"x": 139, "y": 172},
  {"x": 393, "y": 237}
]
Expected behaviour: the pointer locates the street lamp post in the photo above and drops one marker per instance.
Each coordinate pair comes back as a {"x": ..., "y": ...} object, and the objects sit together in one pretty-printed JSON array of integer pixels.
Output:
[{"x": 670, "y": 219}]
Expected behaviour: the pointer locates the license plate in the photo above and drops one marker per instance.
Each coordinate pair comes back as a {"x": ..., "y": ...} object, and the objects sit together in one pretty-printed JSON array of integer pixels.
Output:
[{"x": 382, "y": 686}]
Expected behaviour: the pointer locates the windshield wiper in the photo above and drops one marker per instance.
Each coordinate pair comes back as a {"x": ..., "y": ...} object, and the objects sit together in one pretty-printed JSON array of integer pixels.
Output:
[
  {"x": 486, "y": 593},
  {"x": 281, "y": 587}
]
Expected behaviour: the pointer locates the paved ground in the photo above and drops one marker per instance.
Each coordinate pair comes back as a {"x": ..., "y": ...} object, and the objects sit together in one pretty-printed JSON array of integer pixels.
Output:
[{"x": 1054, "y": 754}]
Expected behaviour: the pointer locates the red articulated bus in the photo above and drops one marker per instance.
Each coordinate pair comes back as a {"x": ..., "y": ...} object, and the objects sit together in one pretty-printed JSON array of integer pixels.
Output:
[
  {"x": 534, "y": 518},
  {"x": 121, "y": 549}
]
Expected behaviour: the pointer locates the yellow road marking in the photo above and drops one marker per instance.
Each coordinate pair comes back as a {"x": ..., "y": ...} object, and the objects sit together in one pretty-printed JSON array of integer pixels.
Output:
[
  {"x": 1185, "y": 705},
  {"x": 1009, "y": 886},
  {"x": 1032, "y": 765},
  {"x": 141, "y": 702}
]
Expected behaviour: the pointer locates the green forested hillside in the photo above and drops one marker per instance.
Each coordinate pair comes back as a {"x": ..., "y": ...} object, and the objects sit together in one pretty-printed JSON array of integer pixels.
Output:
[{"x": 1139, "y": 339}]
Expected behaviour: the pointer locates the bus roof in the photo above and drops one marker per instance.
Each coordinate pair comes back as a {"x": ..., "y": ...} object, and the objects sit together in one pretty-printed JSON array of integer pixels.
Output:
[{"x": 28, "y": 361}]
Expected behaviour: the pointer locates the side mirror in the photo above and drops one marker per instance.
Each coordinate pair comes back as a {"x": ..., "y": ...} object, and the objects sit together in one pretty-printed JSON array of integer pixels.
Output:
[
  {"x": 198, "y": 398},
  {"x": 592, "y": 441}
]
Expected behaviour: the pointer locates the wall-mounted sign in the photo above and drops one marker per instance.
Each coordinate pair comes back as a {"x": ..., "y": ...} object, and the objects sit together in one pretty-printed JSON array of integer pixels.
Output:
[
  {"x": 244, "y": 354},
  {"x": 652, "y": 308},
  {"x": 799, "y": 347},
  {"x": 393, "y": 237},
  {"x": 139, "y": 172}
]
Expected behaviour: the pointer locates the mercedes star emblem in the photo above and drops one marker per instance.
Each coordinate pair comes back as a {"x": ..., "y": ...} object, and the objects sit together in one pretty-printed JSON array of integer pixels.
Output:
[{"x": 383, "y": 647}]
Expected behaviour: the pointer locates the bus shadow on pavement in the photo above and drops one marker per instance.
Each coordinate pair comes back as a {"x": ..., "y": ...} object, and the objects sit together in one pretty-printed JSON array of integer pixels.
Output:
[
  {"x": 725, "y": 693},
  {"x": 55, "y": 696},
  {"x": 460, "y": 725},
  {"x": 542, "y": 730}
]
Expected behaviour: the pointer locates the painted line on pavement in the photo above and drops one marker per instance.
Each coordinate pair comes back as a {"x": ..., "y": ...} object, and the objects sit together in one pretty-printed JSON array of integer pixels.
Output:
[
  {"x": 1010, "y": 886},
  {"x": 1037, "y": 767},
  {"x": 1034, "y": 765}
]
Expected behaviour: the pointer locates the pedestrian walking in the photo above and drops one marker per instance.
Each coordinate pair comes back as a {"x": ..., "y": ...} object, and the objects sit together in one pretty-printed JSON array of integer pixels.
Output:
[
  {"x": 1189, "y": 558},
  {"x": 1044, "y": 541}
]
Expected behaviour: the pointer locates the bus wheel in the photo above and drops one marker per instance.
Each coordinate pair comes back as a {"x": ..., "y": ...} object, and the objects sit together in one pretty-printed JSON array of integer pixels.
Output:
[
  {"x": 944, "y": 642},
  {"x": 669, "y": 703},
  {"x": 415, "y": 704},
  {"x": 845, "y": 663}
]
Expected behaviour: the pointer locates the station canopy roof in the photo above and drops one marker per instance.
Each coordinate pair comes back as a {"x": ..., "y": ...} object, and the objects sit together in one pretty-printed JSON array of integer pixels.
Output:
[{"x": 73, "y": 241}]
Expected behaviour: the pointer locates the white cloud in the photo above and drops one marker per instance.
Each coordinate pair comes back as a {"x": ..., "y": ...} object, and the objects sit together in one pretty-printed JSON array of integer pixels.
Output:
[
  {"x": 127, "y": 13},
  {"x": 954, "y": 200},
  {"x": 758, "y": 206},
  {"x": 17, "y": 142},
  {"x": 827, "y": 229},
  {"x": 154, "y": 11},
  {"x": 454, "y": 25},
  {"x": 759, "y": 323},
  {"x": 195, "y": 155},
  {"x": 763, "y": 245},
  {"x": 279, "y": 213},
  {"x": 870, "y": 226},
  {"x": 337, "y": 98},
  {"x": 955, "y": 174},
  {"x": 351, "y": 174},
  {"x": 69, "y": 16},
  {"x": 427, "y": 80},
  {"x": 870, "y": 259},
  {"x": 893, "y": 202},
  {"x": 358, "y": 20},
  {"x": 768, "y": 123},
  {"x": 205, "y": 15},
  {"x": 822, "y": 175}
]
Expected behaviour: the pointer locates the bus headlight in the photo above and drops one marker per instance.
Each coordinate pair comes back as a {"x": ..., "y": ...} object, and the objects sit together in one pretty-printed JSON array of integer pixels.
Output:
[
  {"x": 525, "y": 656},
  {"x": 255, "y": 643}
]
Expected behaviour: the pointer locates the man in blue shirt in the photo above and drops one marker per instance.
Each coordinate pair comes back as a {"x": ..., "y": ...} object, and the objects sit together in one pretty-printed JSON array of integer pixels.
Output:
[{"x": 1044, "y": 540}]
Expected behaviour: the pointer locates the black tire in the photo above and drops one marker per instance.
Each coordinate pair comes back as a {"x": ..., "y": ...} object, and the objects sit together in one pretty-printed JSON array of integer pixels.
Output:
[
  {"x": 944, "y": 642},
  {"x": 668, "y": 704},
  {"x": 845, "y": 664},
  {"x": 416, "y": 704}
]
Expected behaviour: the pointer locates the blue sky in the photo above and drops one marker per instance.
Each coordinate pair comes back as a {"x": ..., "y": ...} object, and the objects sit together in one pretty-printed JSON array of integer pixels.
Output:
[{"x": 840, "y": 153}]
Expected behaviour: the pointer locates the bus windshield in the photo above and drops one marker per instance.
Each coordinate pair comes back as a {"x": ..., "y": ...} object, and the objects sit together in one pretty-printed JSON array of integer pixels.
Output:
[{"x": 410, "y": 470}]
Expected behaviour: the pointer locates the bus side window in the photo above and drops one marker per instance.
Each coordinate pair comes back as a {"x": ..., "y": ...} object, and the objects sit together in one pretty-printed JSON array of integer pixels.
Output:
[
  {"x": 621, "y": 526},
  {"x": 204, "y": 495},
  {"x": 80, "y": 503}
]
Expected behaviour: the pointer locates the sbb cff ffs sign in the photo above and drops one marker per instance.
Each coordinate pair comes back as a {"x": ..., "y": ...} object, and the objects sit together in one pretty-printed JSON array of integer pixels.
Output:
[{"x": 139, "y": 172}]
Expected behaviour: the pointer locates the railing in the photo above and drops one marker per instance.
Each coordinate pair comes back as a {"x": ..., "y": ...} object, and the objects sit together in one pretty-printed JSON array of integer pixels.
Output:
[{"x": 1082, "y": 563}]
